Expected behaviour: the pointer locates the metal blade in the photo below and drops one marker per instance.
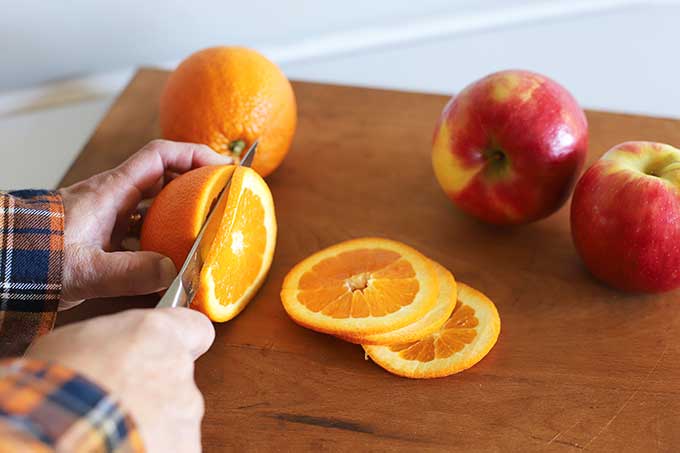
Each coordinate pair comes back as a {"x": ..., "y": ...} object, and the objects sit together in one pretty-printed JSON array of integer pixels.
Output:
[{"x": 249, "y": 156}]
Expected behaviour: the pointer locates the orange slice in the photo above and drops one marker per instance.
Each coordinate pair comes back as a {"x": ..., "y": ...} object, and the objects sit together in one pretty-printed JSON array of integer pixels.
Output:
[
  {"x": 243, "y": 233},
  {"x": 242, "y": 251},
  {"x": 431, "y": 322},
  {"x": 360, "y": 287},
  {"x": 468, "y": 335}
]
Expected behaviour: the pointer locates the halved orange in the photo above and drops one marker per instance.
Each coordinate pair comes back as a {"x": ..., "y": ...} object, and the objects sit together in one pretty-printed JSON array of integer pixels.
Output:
[
  {"x": 243, "y": 234},
  {"x": 430, "y": 322},
  {"x": 468, "y": 335},
  {"x": 360, "y": 287},
  {"x": 178, "y": 212}
]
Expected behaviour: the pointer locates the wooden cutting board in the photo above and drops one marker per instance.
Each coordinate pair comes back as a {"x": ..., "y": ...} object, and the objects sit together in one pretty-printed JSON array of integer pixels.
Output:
[{"x": 578, "y": 366}]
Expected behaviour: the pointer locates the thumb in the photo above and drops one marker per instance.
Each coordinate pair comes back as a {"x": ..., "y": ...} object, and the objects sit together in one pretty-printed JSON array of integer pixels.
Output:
[{"x": 131, "y": 273}]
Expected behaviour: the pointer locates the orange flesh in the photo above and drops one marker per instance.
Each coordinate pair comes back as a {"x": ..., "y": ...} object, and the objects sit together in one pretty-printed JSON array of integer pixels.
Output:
[
  {"x": 238, "y": 248},
  {"x": 359, "y": 284},
  {"x": 457, "y": 332}
]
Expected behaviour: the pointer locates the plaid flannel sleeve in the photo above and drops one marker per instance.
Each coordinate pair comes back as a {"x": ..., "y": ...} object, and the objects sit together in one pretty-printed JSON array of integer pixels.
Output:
[
  {"x": 31, "y": 255},
  {"x": 45, "y": 407},
  {"x": 49, "y": 408}
]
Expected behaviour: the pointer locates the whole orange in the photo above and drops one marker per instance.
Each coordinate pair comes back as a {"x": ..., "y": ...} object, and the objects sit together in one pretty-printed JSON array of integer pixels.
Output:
[{"x": 228, "y": 97}]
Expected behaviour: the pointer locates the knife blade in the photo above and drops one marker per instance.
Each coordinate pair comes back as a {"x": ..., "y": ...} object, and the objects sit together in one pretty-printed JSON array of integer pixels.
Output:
[{"x": 181, "y": 291}]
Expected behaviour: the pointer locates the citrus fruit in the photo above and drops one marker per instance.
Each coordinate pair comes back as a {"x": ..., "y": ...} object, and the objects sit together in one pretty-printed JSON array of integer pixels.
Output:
[
  {"x": 178, "y": 212},
  {"x": 226, "y": 98},
  {"x": 464, "y": 339},
  {"x": 360, "y": 287},
  {"x": 242, "y": 234},
  {"x": 430, "y": 322}
]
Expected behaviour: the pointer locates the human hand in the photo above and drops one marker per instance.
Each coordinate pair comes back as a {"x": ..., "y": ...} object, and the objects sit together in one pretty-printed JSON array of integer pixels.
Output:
[
  {"x": 96, "y": 213},
  {"x": 145, "y": 358}
]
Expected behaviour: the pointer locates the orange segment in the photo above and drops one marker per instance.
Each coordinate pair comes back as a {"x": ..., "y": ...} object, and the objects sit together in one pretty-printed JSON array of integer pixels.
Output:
[
  {"x": 462, "y": 341},
  {"x": 360, "y": 287},
  {"x": 429, "y": 323},
  {"x": 243, "y": 229},
  {"x": 242, "y": 250}
]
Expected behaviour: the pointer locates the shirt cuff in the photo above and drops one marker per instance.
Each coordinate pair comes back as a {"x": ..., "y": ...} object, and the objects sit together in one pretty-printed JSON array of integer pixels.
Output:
[
  {"x": 31, "y": 260},
  {"x": 47, "y": 407}
]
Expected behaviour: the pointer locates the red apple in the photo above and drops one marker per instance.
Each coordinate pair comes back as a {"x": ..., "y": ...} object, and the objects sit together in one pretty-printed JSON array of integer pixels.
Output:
[
  {"x": 509, "y": 147},
  {"x": 625, "y": 217}
]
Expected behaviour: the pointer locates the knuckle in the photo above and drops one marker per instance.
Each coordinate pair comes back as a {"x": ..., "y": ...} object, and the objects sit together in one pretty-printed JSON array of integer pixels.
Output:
[
  {"x": 105, "y": 180},
  {"x": 107, "y": 186},
  {"x": 204, "y": 147},
  {"x": 186, "y": 364},
  {"x": 208, "y": 331},
  {"x": 80, "y": 273},
  {"x": 201, "y": 318},
  {"x": 196, "y": 404},
  {"x": 155, "y": 145},
  {"x": 156, "y": 321}
]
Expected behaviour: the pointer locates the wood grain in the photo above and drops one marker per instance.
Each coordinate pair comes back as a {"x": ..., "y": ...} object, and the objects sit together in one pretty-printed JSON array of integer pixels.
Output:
[{"x": 578, "y": 366}]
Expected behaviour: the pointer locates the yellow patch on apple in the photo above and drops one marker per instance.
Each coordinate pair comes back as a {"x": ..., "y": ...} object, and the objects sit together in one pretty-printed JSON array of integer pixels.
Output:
[
  {"x": 506, "y": 86},
  {"x": 449, "y": 170}
]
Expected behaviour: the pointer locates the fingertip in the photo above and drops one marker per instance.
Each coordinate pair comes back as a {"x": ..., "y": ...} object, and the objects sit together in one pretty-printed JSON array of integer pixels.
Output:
[
  {"x": 200, "y": 332},
  {"x": 168, "y": 272},
  {"x": 205, "y": 155}
]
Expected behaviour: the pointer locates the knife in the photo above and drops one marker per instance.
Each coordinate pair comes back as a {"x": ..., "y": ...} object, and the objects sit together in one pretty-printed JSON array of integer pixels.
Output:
[{"x": 181, "y": 291}]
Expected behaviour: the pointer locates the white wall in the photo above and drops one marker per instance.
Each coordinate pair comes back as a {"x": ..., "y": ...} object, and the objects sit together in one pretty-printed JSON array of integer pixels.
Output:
[
  {"x": 54, "y": 39},
  {"x": 607, "y": 51},
  {"x": 625, "y": 59},
  {"x": 63, "y": 62}
]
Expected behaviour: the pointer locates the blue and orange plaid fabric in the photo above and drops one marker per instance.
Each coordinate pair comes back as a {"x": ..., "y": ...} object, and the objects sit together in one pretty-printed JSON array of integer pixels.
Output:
[
  {"x": 46, "y": 407},
  {"x": 31, "y": 255}
]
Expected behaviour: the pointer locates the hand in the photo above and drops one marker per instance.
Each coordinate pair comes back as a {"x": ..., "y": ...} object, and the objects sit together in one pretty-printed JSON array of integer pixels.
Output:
[
  {"x": 97, "y": 211},
  {"x": 145, "y": 358}
]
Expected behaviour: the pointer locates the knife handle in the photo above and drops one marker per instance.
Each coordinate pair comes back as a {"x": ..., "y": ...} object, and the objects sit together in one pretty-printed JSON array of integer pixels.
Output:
[{"x": 175, "y": 296}]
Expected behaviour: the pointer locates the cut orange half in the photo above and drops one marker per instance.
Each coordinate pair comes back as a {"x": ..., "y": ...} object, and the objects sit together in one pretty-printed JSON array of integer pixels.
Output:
[
  {"x": 243, "y": 232},
  {"x": 430, "y": 322},
  {"x": 360, "y": 287},
  {"x": 468, "y": 335}
]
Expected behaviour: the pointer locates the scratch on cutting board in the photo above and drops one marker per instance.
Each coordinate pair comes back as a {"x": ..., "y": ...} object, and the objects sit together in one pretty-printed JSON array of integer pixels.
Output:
[
  {"x": 559, "y": 433},
  {"x": 347, "y": 425},
  {"x": 632, "y": 395},
  {"x": 481, "y": 392},
  {"x": 323, "y": 422},
  {"x": 252, "y": 406}
]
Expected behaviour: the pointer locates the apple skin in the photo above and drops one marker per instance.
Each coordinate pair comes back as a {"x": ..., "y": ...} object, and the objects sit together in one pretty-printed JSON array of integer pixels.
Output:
[
  {"x": 625, "y": 217},
  {"x": 508, "y": 149}
]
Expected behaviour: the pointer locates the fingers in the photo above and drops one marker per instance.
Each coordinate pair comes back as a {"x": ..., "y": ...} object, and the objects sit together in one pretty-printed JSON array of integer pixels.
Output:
[
  {"x": 155, "y": 188},
  {"x": 142, "y": 174},
  {"x": 148, "y": 165},
  {"x": 128, "y": 273},
  {"x": 134, "y": 273},
  {"x": 196, "y": 331}
]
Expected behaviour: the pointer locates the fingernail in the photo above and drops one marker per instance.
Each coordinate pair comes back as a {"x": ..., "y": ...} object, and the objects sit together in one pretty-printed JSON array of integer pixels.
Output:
[{"x": 168, "y": 271}]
